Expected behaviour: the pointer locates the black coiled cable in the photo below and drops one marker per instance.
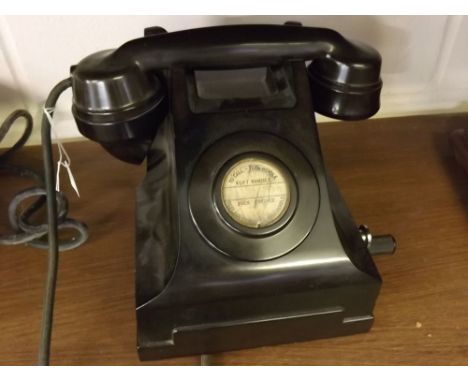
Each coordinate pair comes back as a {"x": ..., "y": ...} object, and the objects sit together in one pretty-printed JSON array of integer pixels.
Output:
[{"x": 25, "y": 232}]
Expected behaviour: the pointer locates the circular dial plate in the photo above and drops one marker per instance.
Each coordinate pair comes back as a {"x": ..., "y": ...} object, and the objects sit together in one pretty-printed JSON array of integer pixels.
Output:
[{"x": 255, "y": 192}]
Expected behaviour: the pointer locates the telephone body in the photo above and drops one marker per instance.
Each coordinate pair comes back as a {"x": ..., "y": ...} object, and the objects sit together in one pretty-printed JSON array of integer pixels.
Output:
[{"x": 242, "y": 237}]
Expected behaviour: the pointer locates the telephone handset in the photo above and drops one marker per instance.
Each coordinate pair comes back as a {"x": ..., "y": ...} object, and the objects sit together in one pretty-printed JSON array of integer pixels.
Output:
[
  {"x": 242, "y": 238},
  {"x": 120, "y": 95}
]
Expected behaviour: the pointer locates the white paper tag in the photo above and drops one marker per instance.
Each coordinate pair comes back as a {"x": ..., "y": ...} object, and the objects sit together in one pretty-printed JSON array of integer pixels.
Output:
[{"x": 64, "y": 158}]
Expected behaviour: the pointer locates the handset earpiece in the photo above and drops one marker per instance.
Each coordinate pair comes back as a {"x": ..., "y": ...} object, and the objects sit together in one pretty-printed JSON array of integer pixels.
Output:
[
  {"x": 117, "y": 104},
  {"x": 347, "y": 90}
]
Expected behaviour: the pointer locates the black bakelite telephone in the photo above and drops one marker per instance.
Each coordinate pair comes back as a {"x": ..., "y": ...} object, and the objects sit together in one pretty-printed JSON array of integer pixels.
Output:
[{"x": 242, "y": 238}]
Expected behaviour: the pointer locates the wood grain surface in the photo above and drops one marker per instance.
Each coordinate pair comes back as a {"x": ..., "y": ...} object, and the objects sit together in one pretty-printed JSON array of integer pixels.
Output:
[{"x": 397, "y": 175}]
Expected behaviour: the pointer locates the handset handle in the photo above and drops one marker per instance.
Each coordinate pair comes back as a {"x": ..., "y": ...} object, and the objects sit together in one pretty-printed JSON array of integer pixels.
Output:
[{"x": 247, "y": 46}]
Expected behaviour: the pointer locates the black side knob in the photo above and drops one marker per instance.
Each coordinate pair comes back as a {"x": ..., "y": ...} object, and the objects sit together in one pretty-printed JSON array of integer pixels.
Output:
[{"x": 382, "y": 245}]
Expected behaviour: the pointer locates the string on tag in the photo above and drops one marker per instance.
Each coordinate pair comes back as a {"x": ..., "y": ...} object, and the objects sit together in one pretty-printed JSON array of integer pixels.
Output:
[{"x": 64, "y": 158}]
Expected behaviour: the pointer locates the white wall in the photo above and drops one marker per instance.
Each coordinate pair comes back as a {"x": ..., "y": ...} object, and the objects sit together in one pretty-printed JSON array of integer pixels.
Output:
[{"x": 424, "y": 57}]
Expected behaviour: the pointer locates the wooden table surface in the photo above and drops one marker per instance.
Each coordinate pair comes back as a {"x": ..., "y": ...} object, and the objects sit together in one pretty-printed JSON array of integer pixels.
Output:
[{"x": 397, "y": 175}]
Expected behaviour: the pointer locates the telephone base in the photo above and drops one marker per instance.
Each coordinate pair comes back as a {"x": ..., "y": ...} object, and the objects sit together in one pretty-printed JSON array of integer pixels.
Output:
[
  {"x": 337, "y": 301},
  {"x": 208, "y": 283}
]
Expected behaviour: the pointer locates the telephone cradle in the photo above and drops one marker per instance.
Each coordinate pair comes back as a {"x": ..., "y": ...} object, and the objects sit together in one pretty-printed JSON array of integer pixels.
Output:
[{"x": 242, "y": 237}]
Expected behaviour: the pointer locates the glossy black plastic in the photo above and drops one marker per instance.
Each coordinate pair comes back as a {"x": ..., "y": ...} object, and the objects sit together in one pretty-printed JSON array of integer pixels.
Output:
[
  {"x": 204, "y": 285},
  {"x": 237, "y": 241},
  {"x": 117, "y": 105},
  {"x": 346, "y": 91},
  {"x": 117, "y": 93},
  {"x": 198, "y": 292}
]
